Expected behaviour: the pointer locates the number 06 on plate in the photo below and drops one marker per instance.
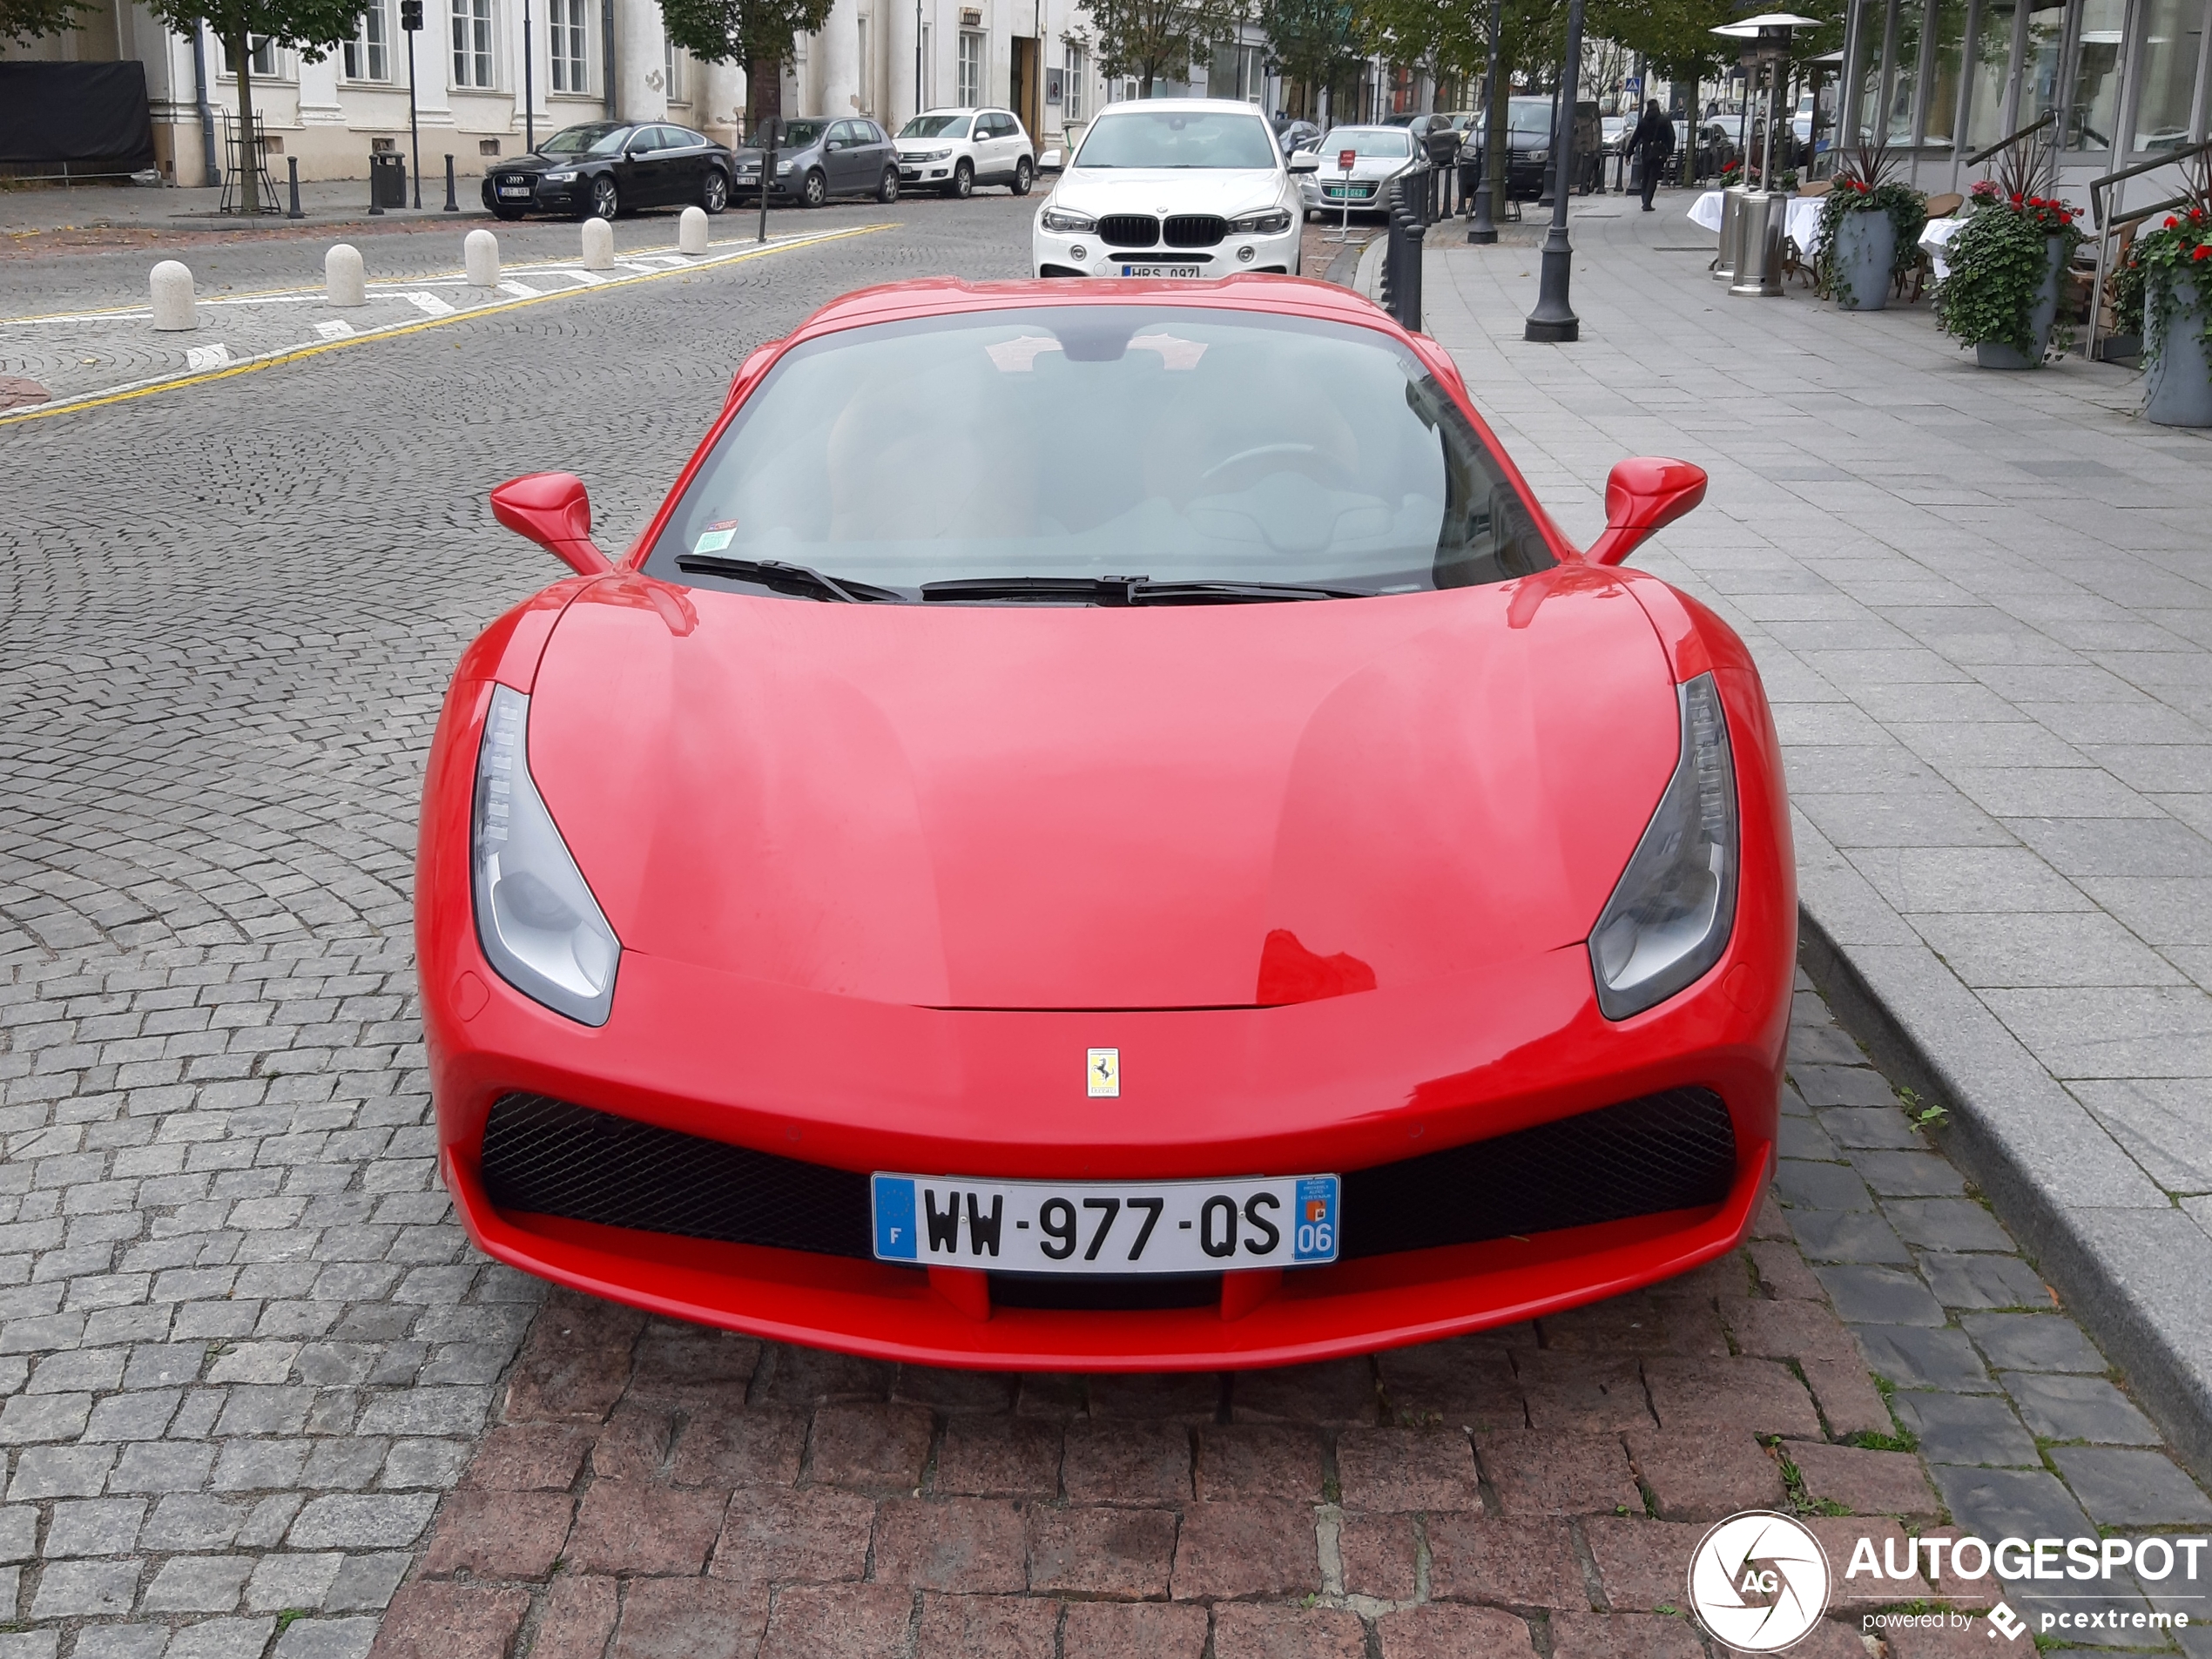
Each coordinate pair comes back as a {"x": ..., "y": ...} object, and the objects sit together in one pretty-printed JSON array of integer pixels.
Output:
[{"x": 1106, "y": 1227}]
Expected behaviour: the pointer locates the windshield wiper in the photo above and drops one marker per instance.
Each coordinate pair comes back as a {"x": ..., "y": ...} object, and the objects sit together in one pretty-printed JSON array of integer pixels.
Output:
[
  {"x": 1130, "y": 590},
  {"x": 779, "y": 577}
]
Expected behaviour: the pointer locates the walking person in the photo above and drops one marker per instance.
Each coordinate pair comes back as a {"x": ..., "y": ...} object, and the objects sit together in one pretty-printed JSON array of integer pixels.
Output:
[{"x": 1652, "y": 143}]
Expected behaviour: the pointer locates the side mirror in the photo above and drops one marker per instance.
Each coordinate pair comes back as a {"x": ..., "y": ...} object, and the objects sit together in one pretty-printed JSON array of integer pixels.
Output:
[
  {"x": 553, "y": 509},
  {"x": 1643, "y": 496},
  {"x": 1306, "y": 161}
]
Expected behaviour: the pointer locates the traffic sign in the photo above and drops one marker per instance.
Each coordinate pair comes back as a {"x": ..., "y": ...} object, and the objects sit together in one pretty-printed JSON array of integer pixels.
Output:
[{"x": 1344, "y": 158}]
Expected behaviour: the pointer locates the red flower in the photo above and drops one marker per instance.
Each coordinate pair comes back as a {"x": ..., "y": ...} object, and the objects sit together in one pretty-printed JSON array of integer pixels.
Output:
[
  {"x": 2204, "y": 251},
  {"x": 2171, "y": 221}
]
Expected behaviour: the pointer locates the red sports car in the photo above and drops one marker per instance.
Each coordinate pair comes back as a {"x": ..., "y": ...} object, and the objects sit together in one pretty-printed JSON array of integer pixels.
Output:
[{"x": 1101, "y": 827}]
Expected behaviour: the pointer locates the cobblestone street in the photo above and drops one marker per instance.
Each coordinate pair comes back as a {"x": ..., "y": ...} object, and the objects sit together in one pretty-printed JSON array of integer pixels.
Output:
[{"x": 262, "y": 1400}]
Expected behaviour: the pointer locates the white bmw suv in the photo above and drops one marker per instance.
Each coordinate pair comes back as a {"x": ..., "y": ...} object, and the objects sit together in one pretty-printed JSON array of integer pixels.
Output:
[{"x": 1173, "y": 187}]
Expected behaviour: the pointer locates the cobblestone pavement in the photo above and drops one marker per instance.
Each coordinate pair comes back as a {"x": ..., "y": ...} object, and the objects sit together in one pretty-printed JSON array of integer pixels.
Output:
[{"x": 255, "y": 1389}]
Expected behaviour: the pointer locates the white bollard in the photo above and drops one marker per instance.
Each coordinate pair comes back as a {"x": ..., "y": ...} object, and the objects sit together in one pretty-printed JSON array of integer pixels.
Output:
[
  {"x": 172, "y": 301},
  {"x": 691, "y": 232},
  {"x": 344, "y": 279},
  {"x": 598, "y": 245},
  {"x": 480, "y": 253}
]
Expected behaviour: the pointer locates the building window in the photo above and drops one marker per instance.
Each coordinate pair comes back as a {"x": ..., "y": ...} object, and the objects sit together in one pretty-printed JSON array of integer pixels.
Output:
[
  {"x": 2040, "y": 71},
  {"x": 968, "y": 91},
  {"x": 1078, "y": 69},
  {"x": 472, "y": 43},
  {"x": 1940, "y": 124},
  {"x": 1904, "y": 77},
  {"x": 365, "y": 55},
  {"x": 2166, "y": 73},
  {"x": 1237, "y": 71},
  {"x": 1992, "y": 71},
  {"x": 674, "y": 63},
  {"x": 565, "y": 40}
]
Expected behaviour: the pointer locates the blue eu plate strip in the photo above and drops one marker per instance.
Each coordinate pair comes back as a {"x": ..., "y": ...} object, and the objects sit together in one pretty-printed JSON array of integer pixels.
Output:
[{"x": 894, "y": 1219}]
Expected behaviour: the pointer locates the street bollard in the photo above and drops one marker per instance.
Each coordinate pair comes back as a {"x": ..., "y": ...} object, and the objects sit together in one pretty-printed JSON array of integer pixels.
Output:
[
  {"x": 479, "y": 253},
  {"x": 691, "y": 232},
  {"x": 598, "y": 245},
  {"x": 172, "y": 299},
  {"x": 291, "y": 166},
  {"x": 344, "y": 281},
  {"x": 452, "y": 205},
  {"x": 1409, "y": 297}
]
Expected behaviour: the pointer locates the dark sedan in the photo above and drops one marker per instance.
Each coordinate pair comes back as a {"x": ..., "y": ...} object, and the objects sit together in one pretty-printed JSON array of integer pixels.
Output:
[
  {"x": 816, "y": 160},
  {"x": 603, "y": 168}
]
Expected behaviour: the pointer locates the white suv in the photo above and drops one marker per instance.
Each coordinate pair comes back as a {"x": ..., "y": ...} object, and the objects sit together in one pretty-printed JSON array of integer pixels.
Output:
[
  {"x": 956, "y": 150},
  {"x": 1173, "y": 187}
]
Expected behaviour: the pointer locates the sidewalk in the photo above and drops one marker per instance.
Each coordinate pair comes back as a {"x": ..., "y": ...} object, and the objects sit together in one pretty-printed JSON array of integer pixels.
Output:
[
  {"x": 1982, "y": 603},
  {"x": 26, "y": 210}
]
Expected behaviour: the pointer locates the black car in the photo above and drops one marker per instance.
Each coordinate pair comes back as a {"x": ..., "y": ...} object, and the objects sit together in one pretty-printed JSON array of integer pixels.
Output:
[
  {"x": 817, "y": 159},
  {"x": 1528, "y": 148},
  {"x": 603, "y": 168}
]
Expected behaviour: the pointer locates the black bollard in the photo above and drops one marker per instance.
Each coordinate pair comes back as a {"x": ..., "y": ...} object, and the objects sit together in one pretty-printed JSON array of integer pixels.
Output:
[
  {"x": 452, "y": 207},
  {"x": 1409, "y": 300},
  {"x": 375, "y": 202},
  {"x": 291, "y": 166}
]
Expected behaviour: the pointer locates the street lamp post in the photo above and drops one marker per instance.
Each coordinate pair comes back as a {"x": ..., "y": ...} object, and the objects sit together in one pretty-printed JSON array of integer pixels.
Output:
[
  {"x": 529, "y": 93},
  {"x": 411, "y": 25},
  {"x": 1482, "y": 232},
  {"x": 1554, "y": 319}
]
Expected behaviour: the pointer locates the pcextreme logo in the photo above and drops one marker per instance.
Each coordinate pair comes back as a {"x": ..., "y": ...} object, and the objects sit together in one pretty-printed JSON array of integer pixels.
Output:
[{"x": 1758, "y": 1581}]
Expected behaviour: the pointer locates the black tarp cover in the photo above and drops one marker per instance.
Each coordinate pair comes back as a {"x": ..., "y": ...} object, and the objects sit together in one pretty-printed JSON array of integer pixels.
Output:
[{"x": 93, "y": 116}]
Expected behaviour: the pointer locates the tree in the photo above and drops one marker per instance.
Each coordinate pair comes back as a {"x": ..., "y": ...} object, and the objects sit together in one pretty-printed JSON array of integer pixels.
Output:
[
  {"x": 1675, "y": 37},
  {"x": 1155, "y": 40},
  {"x": 25, "y": 20},
  {"x": 762, "y": 34},
  {"x": 311, "y": 28},
  {"x": 1314, "y": 43}
]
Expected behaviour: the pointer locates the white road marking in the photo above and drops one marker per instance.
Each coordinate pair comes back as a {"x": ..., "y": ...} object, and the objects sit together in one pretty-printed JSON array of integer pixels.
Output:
[
  {"x": 520, "y": 290},
  {"x": 429, "y": 302},
  {"x": 334, "y": 329},
  {"x": 214, "y": 356}
]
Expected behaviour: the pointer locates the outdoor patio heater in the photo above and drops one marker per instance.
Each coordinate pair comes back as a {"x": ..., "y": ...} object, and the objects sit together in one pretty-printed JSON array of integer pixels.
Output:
[{"x": 1751, "y": 220}]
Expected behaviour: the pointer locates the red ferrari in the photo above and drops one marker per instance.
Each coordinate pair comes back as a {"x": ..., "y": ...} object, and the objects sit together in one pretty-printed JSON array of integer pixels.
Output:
[{"x": 1101, "y": 827}]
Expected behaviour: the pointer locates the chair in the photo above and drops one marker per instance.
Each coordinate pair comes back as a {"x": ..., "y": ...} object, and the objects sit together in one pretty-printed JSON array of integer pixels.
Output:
[
  {"x": 1941, "y": 206},
  {"x": 1817, "y": 187}
]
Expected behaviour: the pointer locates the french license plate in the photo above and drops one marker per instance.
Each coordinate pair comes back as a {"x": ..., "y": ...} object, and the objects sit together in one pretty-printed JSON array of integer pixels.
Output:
[
  {"x": 1189, "y": 271},
  {"x": 1105, "y": 1226}
]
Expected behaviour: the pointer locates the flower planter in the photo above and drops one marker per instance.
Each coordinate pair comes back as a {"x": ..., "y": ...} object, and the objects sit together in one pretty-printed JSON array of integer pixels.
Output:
[
  {"x": 1993, "y": 353},
  {"x": 1865, "y": 247},
  {"x": 2178, "y": 388}
]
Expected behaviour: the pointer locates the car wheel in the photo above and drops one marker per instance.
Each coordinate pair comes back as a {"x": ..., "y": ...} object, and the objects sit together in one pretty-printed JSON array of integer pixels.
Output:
[
  {"x": 1023, "y": 174},
  {"x": 815, "y": 191},
  {"x": 963, "y": 184},
  {"x": 888, "y": 190},
  {"x": 506, "y": 213},
  {"x": 716, "y": 196},
  {"x": 606, "y": 199}
]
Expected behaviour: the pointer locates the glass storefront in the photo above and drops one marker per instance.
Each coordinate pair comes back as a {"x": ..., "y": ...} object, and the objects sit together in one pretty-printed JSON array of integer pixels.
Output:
[
  {"x": 1946, "y": 61},
  {"x": 1986, "y": 113},
  {"x": 2167, "y": 58}
]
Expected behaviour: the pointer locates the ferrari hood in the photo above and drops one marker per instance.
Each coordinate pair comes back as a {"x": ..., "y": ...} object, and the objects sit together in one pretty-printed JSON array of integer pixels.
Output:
[{"x": 1017, "y": 807}]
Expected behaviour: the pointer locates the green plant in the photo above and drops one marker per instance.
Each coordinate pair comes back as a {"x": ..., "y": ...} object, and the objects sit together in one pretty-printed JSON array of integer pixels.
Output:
[
  {"x": 2178, "y": 252},
  {"x": 1867, "y": 183},
  {"x": 1999, "y": 264}
]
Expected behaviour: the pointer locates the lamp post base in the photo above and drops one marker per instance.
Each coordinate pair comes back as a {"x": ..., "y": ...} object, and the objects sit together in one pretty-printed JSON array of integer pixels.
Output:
[
  {"x": 1554, "y": 333},
  {"x": 1482, "y": 236},
  {"x": 1554, "y": 321}
]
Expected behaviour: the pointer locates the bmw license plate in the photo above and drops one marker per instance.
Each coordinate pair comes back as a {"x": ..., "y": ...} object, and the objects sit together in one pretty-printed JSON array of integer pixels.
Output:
[
  {"x": 1105, "y": 1226},
  {"x": 1192, "y": 272}
]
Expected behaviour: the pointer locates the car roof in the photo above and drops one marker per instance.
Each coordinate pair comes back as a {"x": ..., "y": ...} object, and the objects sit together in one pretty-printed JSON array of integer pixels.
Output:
[{"x": 1220, "y": 105}]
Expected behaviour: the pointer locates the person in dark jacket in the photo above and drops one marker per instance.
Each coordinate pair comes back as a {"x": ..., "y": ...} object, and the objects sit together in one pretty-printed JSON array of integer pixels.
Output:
[{"x": 1652, "y": 143}]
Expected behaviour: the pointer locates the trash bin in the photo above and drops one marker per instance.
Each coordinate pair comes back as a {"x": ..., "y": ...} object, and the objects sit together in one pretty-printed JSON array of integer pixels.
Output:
[{"x": 387, "y": 179}]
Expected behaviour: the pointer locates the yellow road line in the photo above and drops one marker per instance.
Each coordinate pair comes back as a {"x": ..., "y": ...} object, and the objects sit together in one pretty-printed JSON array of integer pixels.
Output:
[{"x": 294, "y": 353}]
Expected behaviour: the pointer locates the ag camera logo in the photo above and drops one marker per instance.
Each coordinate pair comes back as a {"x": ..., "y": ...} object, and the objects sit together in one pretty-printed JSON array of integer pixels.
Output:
[{"x": 1759, "y": 1581}]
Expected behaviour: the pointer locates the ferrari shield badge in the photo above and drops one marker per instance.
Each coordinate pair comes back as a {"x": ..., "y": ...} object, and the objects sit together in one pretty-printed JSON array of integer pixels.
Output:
[{"x": 1103, "y": 1068}]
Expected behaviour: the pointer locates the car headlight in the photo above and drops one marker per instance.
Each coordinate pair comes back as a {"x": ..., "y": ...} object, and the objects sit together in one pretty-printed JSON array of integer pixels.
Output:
[
  {"x": 1273, "y": 222},
  {"x": 539, "y": 926},
  {"x": 566, "y": 177},
  {"x": 1540, "y": 156},
  {"x": 1059, "y": 219},
  {"x": 783, "y": 168},
  {"x": 1669, "y": 917},
  {"x": 933, "y": 155}
]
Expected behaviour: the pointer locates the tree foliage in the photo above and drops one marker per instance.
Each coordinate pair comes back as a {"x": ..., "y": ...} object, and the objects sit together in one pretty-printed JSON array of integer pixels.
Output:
[
  {"x": 1674, "y": 36},
  {"x": 1155, "y": 40},
  {"x": 311, "y": 28},
  {"x": 762, "y": 34},
  {"x": 23, "y": 20},
  {"x": 1314, "y": 44}
]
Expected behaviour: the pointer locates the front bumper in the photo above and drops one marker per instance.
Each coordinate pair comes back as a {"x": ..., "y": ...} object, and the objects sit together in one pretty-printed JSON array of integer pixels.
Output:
[{"x": 1085, "y": 255}]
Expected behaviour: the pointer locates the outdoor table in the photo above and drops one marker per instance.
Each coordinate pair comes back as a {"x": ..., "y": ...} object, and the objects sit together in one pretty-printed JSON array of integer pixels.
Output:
[
  {"x": 1936, "y": 238},
  {"x": 1801, "y": 224}
]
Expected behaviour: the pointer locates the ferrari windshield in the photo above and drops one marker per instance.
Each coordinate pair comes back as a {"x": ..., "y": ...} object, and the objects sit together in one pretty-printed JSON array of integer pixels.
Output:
[
  {"x": 936, "y": 126},
  {"x": 596, "y": 139},
  {"x": 1178, "y": 138},
  {"x": 1078, "y": 443}
]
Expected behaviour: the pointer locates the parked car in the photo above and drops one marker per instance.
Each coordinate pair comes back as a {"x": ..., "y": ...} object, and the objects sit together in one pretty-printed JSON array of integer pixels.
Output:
[
  {"x": 1528, "y": 147},
  {"x": 870, "y": 915},
  {"x": 1299, "y": 135},
  {"x": 817, "y": 159},
  {"x": 1173, "y": 187},
  {"x": 954, "y": 150},
  {"x": 1379, "y": 154},
  {"x": 602, "y": 168},
  {"x": 1440, "y": 134}
]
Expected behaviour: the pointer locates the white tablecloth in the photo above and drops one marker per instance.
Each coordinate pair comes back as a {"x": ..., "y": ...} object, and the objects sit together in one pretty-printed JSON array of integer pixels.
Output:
[
  {"x": 1705, "y": 211},
  {"x": 1801, "y": 223},
  {"x": 1936, "y": 238}
]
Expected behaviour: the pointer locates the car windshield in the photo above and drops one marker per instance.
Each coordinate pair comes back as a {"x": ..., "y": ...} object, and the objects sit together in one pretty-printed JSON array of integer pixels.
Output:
[
  {"x": 936, "y": 126},
  {"x": 599, "y": 138},
  {"x": 800, "y": 135},
  {"x": 1529, "y": 114},
  {"x": 1178, "y": 138},
  {"x": 1084, "y": 442},
  {"x": 1369, "y": 141}
]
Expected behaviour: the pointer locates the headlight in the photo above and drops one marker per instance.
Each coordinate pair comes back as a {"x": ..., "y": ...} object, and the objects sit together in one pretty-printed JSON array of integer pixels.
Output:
[
  {"x": 1059, "y": 219},
  {"x": 933, "y": 155},
  {"x": 1540, "y": 156},
  {"x": 1669, "y": 918},
  {"x": 566, "y": 177},
  {"x": 538, "y": 924},
  {"x": 783, "y": 168},
  {"x": 1273, "y": 222}
]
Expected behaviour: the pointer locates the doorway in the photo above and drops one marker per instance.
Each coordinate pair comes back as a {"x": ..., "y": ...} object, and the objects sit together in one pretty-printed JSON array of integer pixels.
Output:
[{"x": 1022, "y": 97}]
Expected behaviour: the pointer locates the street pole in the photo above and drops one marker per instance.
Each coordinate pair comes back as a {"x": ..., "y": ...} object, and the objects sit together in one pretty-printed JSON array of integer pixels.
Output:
[
  {"x": 1482, "y": 232},
  {"x": 917, "y": 56},
  {"x": 529, "y": 89},
  {"x": 1554, "y": 319},
  {"x": 413, "y": 129}
]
